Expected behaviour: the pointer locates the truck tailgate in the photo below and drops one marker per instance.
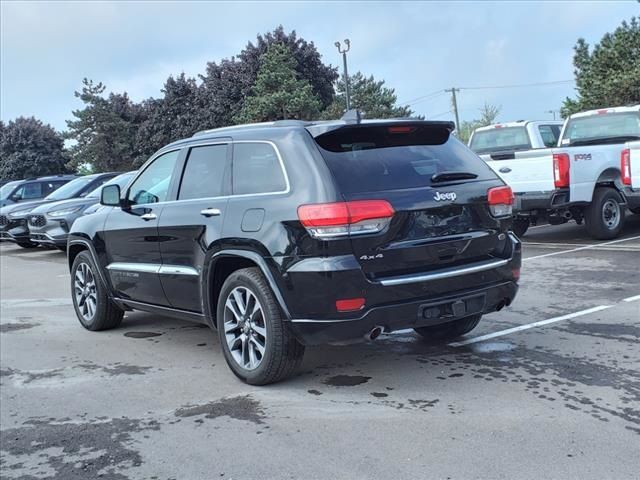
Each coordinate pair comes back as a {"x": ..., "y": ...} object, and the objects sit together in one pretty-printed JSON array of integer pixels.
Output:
[{"x": 530, "y": 171}]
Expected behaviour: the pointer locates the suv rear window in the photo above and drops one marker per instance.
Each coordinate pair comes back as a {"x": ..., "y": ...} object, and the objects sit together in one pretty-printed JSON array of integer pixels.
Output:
[
  {"x": 500, "y": 139},
  {"x": 369, "y": 159}
]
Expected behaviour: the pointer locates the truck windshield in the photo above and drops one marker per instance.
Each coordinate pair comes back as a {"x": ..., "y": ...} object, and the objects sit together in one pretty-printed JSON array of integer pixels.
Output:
[
  {"x": 7, "y": 189},
  {"x": 602, "y": 127},
  {"x": 379, "y": 158},
  {"x": 500, "y": 139}
]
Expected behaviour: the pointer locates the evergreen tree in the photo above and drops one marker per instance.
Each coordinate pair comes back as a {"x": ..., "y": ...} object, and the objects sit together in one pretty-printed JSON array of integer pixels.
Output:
[
  {"x": 104, "y": 131},
  {"x": 609, "y": 75},
  {"x": 368, "y": 95},
  {"x": 278, "y": 93},
  {"x": 29, "y": 148}
]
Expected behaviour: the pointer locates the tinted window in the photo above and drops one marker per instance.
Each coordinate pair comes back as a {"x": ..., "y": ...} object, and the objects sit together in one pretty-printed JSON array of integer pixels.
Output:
[
  {"x": 30, "y": 191},
  {"x": 602, "y": 126},
  {"x": 549, "y": 134},
  {"x": 204, "y": 172},
  {"x": 374, "y": 159},
  {"x": 500, "y": 139},
  {"x": 152, "y": 185},
  {"x": 256, "y": 169}
]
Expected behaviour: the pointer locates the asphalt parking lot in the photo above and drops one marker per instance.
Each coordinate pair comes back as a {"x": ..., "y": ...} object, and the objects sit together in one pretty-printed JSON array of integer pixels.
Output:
[{"x": 548, "y": 388}]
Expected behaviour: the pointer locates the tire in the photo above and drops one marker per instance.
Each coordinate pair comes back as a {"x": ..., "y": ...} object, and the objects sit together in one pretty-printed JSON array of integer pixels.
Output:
[
  {"x": 604, "y": 217},
  {"x": 27, "y": 244},
  {"x": 449, "y": 330},
  {"x": 105, "y": 314},
  {"x": 520, "y": 226},
  {"x": 265, "y": 333}
]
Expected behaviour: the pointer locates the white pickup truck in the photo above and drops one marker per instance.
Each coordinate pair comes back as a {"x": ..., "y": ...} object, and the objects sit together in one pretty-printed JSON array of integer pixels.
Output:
[
  {"x": 579, "y": 180},
  {"x": 506, "y": 140}
]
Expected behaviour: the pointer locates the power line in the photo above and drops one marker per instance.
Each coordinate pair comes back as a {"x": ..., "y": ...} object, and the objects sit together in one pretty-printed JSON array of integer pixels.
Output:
[
  {"x": 423, "y": 97},
  {"x": 537, "y": 84}
]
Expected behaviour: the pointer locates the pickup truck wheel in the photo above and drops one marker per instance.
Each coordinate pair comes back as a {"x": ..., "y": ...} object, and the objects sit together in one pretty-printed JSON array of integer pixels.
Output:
[
  {"x": 520, "y": 226},
  {"x": 94, "y": 309},
  {"x": 256, "y": 341},
  {"x": 449, "y": 330},
  {"x": 604, "y": 217}
]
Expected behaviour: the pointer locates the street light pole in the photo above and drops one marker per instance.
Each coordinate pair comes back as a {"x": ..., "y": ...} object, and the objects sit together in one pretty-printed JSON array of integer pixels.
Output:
[{"x": 346, "y": 72}]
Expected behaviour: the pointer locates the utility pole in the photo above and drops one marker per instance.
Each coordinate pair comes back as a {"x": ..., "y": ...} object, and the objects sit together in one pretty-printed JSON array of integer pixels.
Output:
[
  {"x": 453, "y": 91},
  {"x": 552, "y": 112},
  {"x": 346, "y": 73}
]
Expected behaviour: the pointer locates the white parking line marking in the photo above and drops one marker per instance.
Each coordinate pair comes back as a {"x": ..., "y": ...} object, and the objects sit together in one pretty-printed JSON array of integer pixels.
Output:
[
  {"x": 631, "y": 299},
  {"x": 587, "y": 247},
  {"x": 528, "y": 326}
]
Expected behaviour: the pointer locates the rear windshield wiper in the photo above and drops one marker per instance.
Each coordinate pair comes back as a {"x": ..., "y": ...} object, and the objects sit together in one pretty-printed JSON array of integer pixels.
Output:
[
  {"x": 448, "y": 176},
  {"x": 604, "y": 140}
]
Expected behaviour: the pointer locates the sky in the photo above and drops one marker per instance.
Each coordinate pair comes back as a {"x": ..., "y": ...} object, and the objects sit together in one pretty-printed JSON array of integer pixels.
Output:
[{"x": 418, "y": 48}]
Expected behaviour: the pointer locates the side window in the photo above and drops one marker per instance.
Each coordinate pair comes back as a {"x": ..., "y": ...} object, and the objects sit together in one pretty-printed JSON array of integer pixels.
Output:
[
  {"x": 48, "y": 187},
  {"x": 32, "y": 191},
  {"x": 549, "y": 134},
  {"x": 204, "y": 173},
  {"x": 152, "y": 186},
  {"x": 256, "y": 169}
]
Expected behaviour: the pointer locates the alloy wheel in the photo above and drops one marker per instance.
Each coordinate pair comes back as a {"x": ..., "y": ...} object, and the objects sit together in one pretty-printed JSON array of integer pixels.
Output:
[
  {"x": 245, "y": 328},
  {"x": 85, "y": 292}
]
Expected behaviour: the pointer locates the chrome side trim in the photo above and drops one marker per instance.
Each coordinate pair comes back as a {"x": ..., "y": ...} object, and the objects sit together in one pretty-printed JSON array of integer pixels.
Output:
[
  {"x": 177, "y": 270},
  {"x": 153, "y": 268},
  {"x": 134, "y": 267},
  {"x": 442, "y": 274}
]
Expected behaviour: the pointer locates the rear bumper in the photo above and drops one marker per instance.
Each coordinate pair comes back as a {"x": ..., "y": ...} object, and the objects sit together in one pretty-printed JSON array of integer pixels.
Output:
[
  {"x": 405, "y": 315},
  {"x": 544, "y": 201},
  {"x": 632, "y": 197},
  {"x": 395, "y": 303}
]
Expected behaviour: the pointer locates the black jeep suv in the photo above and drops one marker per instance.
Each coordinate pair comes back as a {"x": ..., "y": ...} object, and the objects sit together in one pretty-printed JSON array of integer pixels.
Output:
[{"x": 293, "y": 233}]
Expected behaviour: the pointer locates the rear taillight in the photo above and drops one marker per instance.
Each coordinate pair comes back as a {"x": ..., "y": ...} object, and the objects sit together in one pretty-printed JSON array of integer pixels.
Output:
[
  {"x": 625, "y": 166},
  {"x": 500, "y": 201},
  {"x": 330, "y": 220},
  {"x": 561, "y": 170}
]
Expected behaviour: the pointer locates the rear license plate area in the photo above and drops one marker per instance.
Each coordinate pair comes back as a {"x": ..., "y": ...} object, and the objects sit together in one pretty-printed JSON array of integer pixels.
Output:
[{"x": 452, "y": 309}]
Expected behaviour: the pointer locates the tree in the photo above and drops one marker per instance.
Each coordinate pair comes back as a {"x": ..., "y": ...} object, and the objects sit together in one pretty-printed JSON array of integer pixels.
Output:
[
  {"x": 367, "y": 95},
  {"x": 609, "y": 75},
  {"x": 226, "y": 84},
  {"x": 278, "y": 92},
  {"x": 488, "y": 115},
  {"x": 174, "y": 116},
  {"x": 29, "y": 148},
  {"x": 104, "y": 131}
]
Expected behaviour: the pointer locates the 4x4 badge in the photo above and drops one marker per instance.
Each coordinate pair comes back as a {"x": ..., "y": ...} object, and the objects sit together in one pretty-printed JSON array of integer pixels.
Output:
[{"x": 440, "y": 197}]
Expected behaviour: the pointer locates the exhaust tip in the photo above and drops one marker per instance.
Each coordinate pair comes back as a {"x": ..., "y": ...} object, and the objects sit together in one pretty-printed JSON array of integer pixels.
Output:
[{"x": 374, "y": 333}]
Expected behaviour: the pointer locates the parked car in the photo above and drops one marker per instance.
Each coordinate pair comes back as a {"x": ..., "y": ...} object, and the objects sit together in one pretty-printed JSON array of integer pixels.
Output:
[
  {"x": 13, "y": 218},
  {"x": 31, "y": 189},
  {"x": 504, "y": 141},
  {"x": 630, "y": 168},
  {"x": 290, "y": 233},
  {"x": 581, "y": 179},
  {"x": 49, "y": 223}
]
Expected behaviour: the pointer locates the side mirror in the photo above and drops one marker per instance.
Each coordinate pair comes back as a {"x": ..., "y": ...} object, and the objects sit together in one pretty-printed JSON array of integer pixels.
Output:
[{"x": 110, "y": 196}]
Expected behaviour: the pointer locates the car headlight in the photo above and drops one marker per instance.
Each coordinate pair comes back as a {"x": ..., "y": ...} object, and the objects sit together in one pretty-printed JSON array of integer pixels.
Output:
[
  {"x": 64, "y": 211},
  {"x": 20, "y": 213}
]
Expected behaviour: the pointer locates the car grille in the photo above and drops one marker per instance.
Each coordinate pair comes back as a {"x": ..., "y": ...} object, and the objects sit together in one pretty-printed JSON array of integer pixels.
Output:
[
  {"x": 3, "y": 220},
  {"x": 37, "y": 220}
]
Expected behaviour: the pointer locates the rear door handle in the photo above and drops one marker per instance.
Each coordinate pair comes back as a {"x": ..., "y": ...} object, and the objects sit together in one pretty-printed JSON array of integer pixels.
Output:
[
  {"x": 505, "y": 170},
  {"x": 210, "y": 212},
  {"x": 149, "y": 216}
]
